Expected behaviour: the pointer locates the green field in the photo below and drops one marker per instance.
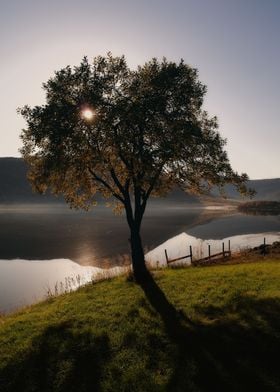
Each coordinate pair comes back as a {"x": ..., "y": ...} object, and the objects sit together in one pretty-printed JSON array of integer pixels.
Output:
[{"x": 194, "y": 329}]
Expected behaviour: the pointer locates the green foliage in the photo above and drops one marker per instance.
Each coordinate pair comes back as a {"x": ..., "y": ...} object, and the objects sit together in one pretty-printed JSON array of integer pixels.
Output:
[
  {"x": 148, "y": 133},
  {"x": 108, "y": 337},
  {"x": 127, "y": 134}
]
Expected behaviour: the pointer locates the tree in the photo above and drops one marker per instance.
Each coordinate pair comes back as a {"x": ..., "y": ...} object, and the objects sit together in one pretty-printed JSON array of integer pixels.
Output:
[{"x": 127, "y": 134}]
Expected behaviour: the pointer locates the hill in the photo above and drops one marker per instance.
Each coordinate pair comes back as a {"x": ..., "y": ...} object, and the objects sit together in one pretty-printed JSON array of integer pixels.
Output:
[
  {"x": 194, "y": 329},
  {"x": 14, "y": 188},
  {"x": 268, "y": 189}
]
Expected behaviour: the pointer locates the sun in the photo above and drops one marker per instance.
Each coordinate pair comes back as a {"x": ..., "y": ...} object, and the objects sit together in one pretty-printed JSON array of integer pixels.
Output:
[{"x": 88, "y": 114}]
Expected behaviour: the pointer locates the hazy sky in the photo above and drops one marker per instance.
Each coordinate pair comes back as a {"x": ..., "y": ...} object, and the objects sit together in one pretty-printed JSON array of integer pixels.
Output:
[{"x": 233, "y": 43}]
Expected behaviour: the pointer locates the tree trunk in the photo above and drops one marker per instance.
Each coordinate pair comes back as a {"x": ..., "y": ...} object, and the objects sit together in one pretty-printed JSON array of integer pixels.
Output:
[{"x": 137, "y": 253}]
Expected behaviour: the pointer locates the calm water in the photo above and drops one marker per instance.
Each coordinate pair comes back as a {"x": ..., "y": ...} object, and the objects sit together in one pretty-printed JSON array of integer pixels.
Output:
[
  {"x": 55, "y": 232},
  {"x": 63, "y": 239}
]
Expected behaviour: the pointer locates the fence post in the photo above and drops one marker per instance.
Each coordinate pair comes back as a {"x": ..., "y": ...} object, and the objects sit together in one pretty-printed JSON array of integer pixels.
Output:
[
  {"x": 223, "y": 249},
  {"x": 264, "y": 245},
  {"x": 229, "y": 246},
  {"x": 209, "y": 252},
  {"x": 191, "y": 253},
  {"x": 165, "y": 251}
]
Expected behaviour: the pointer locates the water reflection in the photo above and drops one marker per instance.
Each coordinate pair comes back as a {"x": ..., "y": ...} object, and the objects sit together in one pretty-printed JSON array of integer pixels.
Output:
[
  {"x": 23, "y": 282},
  {"x": 261, "y": 212},
  {"x": 85, "y": 237},
  {"x": 178, "y": 246},
  {"x": 99, "y": 238},
  {"x": 236, "y": 224}
]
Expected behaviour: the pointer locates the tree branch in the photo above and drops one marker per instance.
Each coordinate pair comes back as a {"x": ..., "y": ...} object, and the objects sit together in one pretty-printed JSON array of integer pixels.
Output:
[
  {"x": 124, "y": 160},
  {"x": 152, "y": 184},
  {"x": 116, "y": 181},
  {"x": 106, "y": 185}
]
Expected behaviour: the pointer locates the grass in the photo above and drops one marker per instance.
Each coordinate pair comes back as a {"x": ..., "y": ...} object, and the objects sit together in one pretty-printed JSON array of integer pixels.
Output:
[{"x": 196, "y": 329}]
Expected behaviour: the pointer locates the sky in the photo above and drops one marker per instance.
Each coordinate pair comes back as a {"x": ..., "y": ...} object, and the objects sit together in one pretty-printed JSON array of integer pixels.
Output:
[{"x": 233, "y": 44}]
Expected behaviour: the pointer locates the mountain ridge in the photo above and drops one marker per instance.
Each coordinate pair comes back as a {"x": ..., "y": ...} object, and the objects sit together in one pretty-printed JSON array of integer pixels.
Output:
[{"x": 15, "y": 188}]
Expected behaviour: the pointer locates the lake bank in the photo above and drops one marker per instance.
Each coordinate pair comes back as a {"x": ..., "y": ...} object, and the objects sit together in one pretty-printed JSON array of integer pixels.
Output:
[
  {"x": 23, "y": 282},
  {"x": 108, "y": 335}
]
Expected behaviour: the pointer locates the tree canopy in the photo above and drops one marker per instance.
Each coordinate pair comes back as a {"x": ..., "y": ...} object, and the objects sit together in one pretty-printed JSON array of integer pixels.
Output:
[{"x": 130, "y": 134}]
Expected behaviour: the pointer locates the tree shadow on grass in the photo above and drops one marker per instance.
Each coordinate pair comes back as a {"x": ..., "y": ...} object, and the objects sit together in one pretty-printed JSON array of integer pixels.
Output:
[
  {"x": 236, "y": 350},
  {"x": 232, "y": 348},
  {"x": 246, "y": 340},
  {"x": 59, "y": 360}
]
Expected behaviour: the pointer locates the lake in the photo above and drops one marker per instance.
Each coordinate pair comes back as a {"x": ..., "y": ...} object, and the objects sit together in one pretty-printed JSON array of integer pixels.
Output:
[
  {"x": 89, "y": 238},
  {"x": 67, "y": 240}
]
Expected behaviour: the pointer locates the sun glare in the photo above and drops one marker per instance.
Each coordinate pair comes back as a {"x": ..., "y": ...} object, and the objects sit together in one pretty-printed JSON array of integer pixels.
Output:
[{"x": 88, "y": 114}]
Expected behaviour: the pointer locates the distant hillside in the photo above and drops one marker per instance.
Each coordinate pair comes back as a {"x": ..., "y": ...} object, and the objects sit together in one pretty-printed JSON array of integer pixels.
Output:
[
  {"x": 266, "y": 190},
  {"x": 14, "y": 188}
]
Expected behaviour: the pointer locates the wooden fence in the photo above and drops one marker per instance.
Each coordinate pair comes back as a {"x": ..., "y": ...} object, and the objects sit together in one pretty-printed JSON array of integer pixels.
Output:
[
  {"x": 179, "y": 258},
  {"x": 220, "y": 255}
]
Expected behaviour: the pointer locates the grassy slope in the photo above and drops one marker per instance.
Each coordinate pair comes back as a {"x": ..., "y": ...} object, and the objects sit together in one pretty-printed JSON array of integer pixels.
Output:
[{"x": 108, "y": 337}]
